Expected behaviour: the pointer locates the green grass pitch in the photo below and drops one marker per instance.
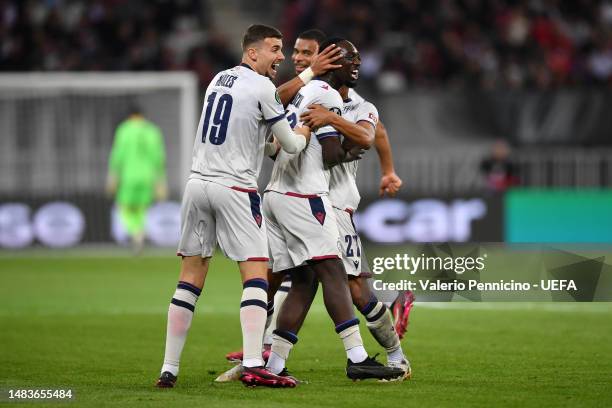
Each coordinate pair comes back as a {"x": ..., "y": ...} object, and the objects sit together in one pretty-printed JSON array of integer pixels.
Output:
[{"x": 96, "y": 324}]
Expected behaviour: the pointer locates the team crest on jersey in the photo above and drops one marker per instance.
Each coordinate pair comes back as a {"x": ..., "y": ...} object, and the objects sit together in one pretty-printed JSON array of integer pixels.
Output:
[
  {"x": 373, "y": 117},
  {"x": 277, "y": 97}
]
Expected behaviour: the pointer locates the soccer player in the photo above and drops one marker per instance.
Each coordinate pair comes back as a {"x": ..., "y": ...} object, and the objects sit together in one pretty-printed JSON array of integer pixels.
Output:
[
  {"x": 306, "y": 51},
  {"x": 358, "y": 121},
  {"x": 305, "y": 54},
  {"x": 221, "y": 204},
  {"x": 136, "y": 172},
  {"x": 302, "y": 228},
  {"x": 305, "y": 57},
  {"x": 306, "y": 61}
]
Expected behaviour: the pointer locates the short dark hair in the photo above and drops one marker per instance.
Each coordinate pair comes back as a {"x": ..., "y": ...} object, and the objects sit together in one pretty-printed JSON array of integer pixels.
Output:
[
  {"x": 329, "y": 41},
  {"x": 258, "y": 32},
  {"x": 313, "y": 34}
]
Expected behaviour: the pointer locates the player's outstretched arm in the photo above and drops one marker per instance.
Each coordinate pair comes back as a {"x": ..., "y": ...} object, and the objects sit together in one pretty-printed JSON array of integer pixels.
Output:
[
  {"x": 390, "y": 182},
  {"x": 290, "y": 141},
  {"x": 322, "y": 63},
  {"x": 360, "y": 133},
  {"x": 335, "y": 153}
]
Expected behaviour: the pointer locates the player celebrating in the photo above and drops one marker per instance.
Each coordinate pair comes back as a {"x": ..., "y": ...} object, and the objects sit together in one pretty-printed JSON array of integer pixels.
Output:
[
  {"x": 358, "y": 116},
  {"x": 359, "y": 123},
  {"x": 305, "y": 53},
  {"x": 303, "y": 233},
  {"x": 221, "y": 203},
  {"x": 306, "y": 58}
]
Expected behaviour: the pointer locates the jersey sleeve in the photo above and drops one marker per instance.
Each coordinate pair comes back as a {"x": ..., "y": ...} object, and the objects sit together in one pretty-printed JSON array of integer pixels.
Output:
[
  {"x": 368, "y": 113},
  {"x": 270, "y": 104},
  {"x": 333, "y": 102}
]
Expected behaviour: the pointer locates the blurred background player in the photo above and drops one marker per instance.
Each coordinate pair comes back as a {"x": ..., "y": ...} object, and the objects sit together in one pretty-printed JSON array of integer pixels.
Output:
[
  {"x": 221, "y": 204},
  {"x": 136, "y": 172},
  {"x": 303, "y": 233}
]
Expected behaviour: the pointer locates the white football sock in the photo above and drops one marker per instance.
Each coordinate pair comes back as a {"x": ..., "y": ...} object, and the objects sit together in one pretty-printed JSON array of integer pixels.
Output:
[
  {"x": 279, "y": 299},
  {"x": 396, "y": 356},
  {"x": 380, "y": 324},
  {"x": 180, "y": 314},
  {"x": 253, "y": 315},
  {"x": 351, "y": 338},
  {"x": 282, "y": 343}
]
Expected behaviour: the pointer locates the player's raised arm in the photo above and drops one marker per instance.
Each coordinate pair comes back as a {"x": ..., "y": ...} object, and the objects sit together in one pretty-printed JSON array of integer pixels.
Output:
[
  {"x": 390, "y": 182},
  {"x": 361, "y": 133},
  {"x": 322, "y": 63}
]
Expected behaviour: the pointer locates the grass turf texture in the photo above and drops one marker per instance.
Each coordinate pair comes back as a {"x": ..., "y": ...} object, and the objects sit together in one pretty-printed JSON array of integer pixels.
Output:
[{"x": 96, "y": 324}]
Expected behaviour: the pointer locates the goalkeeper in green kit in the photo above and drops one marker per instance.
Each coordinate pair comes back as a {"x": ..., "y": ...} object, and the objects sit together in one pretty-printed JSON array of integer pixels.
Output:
[{"x": 136, "y": 172}]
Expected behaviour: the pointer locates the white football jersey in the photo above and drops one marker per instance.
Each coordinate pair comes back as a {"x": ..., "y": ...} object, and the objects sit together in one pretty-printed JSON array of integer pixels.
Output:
[
  {"x": 354, "y": 96},
  {"x": 303, "y": 173},
  {"x": 239, "y": 108},
  {"x": 343, "y": 192}
]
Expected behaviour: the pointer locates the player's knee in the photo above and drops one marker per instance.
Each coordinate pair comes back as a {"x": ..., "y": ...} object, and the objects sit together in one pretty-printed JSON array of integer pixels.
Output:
[
  {"x": 193, "y": 270},
  {"x": 330, "y": 270}
]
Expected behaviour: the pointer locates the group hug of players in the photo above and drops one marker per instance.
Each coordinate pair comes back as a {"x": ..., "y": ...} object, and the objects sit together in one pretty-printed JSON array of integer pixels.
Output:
[{"x": 315, "y": 127}]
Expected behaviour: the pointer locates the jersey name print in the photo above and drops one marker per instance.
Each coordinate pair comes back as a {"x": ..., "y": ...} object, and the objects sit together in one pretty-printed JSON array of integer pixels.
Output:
[{"x": 239, "y": 108}]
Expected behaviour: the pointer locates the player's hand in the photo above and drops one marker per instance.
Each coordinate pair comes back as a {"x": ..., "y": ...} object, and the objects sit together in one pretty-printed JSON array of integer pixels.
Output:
[
  {"x": 111, "y": 186},
  {"x": 389, "y": 184},
  {"x": 304, "y": 131},
  {"x": 272, "y": 147},
  {"x": 324, "y": 61},
  {"x": 354, "y": 153},
  {"x": 317, "y": 116}
]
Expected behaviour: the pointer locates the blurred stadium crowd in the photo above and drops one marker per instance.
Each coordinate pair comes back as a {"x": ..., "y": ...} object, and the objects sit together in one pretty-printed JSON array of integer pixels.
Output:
[
  {"x": 488, "y": 43},
  {"x": 111, "y": 35},
  {"x": 513, "y": 43}
]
